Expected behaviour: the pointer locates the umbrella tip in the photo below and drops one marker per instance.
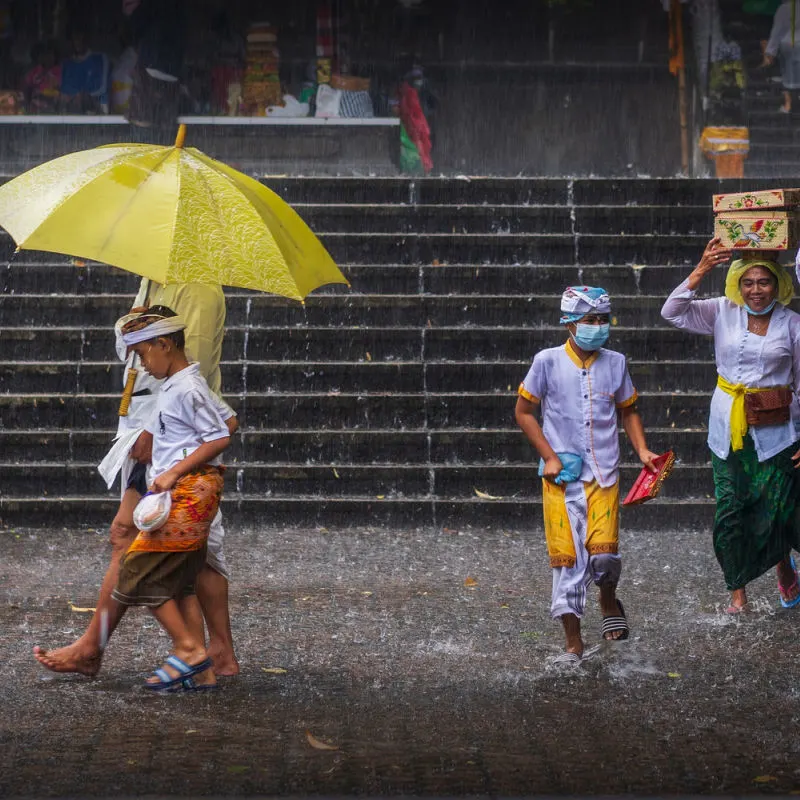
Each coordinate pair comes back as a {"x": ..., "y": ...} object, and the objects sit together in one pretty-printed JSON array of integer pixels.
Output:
[{"x": 179, "y": 139}]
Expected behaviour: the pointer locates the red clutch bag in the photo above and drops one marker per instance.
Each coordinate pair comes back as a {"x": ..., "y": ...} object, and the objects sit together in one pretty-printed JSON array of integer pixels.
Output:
[{"x": 648, "y": 484}]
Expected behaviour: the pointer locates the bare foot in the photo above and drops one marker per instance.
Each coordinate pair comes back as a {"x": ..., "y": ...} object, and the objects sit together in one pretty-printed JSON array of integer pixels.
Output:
[
  {"x": 205, "y": 680},
  {"x": 69, "y": 659},
  {"x": 572, "y": 632},
  {"x": 225, "y": 663},
  {"x": 738, "y": 601}
]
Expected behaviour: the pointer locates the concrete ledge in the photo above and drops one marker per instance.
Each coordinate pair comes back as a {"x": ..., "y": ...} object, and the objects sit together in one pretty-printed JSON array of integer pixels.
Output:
[
  {"x": 255, "y": 145},
  {"x": 118, "y": 119}
]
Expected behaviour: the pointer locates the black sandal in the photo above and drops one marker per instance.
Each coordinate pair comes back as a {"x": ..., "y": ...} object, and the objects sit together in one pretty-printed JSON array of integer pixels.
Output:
[{"x": 616, "y": 623}]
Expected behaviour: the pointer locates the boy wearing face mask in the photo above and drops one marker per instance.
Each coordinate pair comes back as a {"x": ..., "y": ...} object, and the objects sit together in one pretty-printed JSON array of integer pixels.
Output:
[{"x": 578, "y": 389}]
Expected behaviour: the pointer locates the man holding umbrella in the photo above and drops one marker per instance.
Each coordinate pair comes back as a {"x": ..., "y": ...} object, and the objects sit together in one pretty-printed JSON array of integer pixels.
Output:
[{"x": 203, "y": 308}]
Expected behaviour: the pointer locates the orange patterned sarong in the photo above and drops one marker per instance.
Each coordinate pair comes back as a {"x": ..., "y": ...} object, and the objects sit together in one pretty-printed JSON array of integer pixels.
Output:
[{"x": 195, "y": 500}]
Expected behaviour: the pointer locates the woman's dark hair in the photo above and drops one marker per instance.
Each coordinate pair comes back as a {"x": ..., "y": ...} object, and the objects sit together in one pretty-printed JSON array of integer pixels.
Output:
[{"x": 178, "y": 337}]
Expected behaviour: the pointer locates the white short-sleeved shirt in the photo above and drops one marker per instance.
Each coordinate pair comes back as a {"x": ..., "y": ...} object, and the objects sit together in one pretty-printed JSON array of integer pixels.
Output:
[
  {"x": 187, "y": 416},
  {"x": 743, "y": 358},
  {"x": 579, "y": 404}
]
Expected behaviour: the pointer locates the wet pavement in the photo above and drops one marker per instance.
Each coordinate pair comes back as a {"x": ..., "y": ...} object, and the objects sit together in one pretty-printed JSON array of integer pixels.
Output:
[{"x": 421, "y": 659}]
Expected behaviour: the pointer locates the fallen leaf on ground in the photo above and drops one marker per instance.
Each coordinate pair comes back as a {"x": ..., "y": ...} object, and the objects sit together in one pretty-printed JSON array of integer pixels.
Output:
[
  {"x": 369, "y": 357},
  {"x": 192, "y": 730},
  {"x": 449, "y": 530},
  {"x": 237, "y": 768},
  {"x": 274, "y": 670},
  {"x": 367, "y": 594},
  {"x": 80, "y": 610},
  {"x": 485, "y": 496},
  {"x": 764, "y": 779},
  {"x": 469, "y": 582},
  {"x": 673, "y": 674},
  {"x": 380, "y": 496},
  {"x": 336, "y": 474},
  {"x": 318, "y": 744}
]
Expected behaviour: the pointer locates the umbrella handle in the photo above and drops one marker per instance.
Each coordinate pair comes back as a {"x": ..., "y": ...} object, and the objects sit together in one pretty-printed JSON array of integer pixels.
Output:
[
  {"x": 127, "y": 394},
  {"x": 130, "y": 378}
]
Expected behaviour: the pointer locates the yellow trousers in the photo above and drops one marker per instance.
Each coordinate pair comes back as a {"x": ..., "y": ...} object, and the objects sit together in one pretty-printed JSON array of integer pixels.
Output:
[{"x": 580, "y": 507}]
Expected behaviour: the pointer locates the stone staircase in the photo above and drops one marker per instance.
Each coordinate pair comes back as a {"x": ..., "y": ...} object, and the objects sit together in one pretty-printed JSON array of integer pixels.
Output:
[
  {"x": 390, "y": 403},
  {"x": 774, "y": 137}
]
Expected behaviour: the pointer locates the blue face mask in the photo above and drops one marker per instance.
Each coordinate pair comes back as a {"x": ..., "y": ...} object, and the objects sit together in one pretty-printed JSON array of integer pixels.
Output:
[
  {"x": 591, "y": 337},
  {"x": 760, "y": 313}
]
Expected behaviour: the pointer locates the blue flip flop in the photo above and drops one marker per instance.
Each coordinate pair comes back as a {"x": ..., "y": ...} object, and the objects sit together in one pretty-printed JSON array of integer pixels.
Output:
[
  {"x": 166, "y": 683},
  {"x": 796, "y": 601},
  {"x": 190, "y": 685}
]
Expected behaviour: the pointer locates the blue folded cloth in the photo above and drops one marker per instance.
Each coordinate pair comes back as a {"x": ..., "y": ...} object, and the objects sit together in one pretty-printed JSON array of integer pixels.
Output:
[{"x": 571, "y": 466}]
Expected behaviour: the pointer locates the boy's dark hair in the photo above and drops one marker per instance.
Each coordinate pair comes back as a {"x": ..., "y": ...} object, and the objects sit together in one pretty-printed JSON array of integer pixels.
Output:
[{"x": 177, "y": 338}]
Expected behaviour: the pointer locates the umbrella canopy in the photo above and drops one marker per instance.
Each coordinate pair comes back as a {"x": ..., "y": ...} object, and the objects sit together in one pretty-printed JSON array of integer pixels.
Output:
[{"x": 171, "y": 214}]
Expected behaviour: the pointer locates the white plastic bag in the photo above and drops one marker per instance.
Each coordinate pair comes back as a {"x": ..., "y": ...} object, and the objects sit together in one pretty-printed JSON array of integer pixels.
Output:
[
  {"x": 152, "y": 511},
  {"x": 328, "y": 101}
]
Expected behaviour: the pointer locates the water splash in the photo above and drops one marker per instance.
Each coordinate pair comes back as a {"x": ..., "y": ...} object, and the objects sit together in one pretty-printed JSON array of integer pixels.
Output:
[{"x": 573, "y": 226}]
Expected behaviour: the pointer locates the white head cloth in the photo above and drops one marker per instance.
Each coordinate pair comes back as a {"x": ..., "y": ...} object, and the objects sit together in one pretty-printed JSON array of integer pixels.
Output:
[
  {"x": 161, "y": 327},
  {"x": 580, "y": 300}
]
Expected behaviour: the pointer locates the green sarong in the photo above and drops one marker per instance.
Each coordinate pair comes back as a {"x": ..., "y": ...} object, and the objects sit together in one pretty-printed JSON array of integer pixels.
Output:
[{"x": 754, "y": 525}]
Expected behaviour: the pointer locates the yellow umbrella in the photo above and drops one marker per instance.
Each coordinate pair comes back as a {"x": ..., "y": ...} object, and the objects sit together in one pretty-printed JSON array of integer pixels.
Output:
[{"x": 171, "y": 214}]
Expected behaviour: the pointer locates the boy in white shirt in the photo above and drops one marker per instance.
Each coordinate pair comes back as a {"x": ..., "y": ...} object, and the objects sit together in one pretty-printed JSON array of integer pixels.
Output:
[
  {"x": 579, "y": 387},
  {"x": 160, "y": 567}
]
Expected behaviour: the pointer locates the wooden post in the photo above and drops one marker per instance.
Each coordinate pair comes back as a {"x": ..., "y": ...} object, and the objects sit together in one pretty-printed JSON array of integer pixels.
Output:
[{"x": 677, "y": 66}]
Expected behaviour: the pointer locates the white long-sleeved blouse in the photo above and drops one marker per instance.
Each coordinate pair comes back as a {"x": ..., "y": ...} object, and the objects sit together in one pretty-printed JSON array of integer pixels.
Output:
[{"x": 743, "y": 357}]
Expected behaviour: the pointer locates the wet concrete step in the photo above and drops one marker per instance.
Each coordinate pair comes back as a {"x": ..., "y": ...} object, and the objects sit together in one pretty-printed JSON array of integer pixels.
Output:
[
  {"x": 501, "y": 444},
  {"x": 366, "y": 219},
  {"x": 361, "y": 310},
  {"x": 765, "y": 103},
  {"x": 543, "y": 248},
  {"x": 444, "y": 278},
  {"x": 776, "y": 153},
  {"x": 764, "y": 135},
  {"x": 771, "y": 169},
  {"x": 466, "y": 190},
  {"x": 390, "y": 410},
  {"x": 493, "y": 191},
  {"x": 445, "y": 482},
  {"x": 485, "y": 219},
  {"x": 66, "y": 377},
  {"x": 534, "y": 248},
  {"x": 660, "y": 191},
  {"x": 515, "y": 514},
  {"x": 662, "y": 220},
  {"x": 366, "y": 344},
  {"x": 512, "y": 191},
  {"x": 541, "y": 279}
]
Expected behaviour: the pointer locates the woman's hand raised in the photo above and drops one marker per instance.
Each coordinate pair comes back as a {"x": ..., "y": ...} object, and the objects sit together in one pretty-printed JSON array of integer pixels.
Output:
[{"x": 713, "y": 255}]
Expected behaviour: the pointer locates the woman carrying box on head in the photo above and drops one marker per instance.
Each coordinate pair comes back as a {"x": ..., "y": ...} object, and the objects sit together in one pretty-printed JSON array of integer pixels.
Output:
[{"x": 754, "y": 421}]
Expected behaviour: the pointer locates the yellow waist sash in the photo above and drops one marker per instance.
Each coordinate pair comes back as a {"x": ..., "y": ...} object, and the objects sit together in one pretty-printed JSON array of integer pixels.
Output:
[{"x": 738, "y": 419}]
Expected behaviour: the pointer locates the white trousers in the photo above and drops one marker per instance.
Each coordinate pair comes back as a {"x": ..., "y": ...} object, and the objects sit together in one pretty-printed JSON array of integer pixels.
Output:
[
  {"x": 215, "y": 557},
  {"x": 570, "y": 583}
]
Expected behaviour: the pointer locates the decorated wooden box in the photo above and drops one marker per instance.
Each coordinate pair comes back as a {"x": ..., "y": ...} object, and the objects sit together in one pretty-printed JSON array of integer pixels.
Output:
[
  {"x": 754, "y": 230},
  {"x": 767, "y": 199}
]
